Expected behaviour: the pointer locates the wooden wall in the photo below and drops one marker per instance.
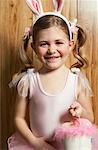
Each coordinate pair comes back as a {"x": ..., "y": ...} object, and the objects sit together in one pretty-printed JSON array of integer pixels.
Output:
[{"x": 14, "y": 17}]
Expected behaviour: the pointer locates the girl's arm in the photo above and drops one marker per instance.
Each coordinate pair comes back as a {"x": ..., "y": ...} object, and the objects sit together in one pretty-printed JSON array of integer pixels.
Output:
[
  {"x": 86, "y": 103},
  {"x": 23, "y": 127},
  {"x": 20, "y": 118},
  {"x": 82, "y": 107}
]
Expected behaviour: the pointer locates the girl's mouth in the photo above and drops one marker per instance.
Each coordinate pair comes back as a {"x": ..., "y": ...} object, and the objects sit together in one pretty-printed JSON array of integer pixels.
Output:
[{"x": 52, "y": 58}]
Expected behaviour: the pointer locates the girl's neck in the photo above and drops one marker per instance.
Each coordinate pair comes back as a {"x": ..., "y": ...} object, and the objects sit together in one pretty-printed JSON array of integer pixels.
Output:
[
  {"x": 53, "y": 81},
  {"x": 58, "y": 71}
]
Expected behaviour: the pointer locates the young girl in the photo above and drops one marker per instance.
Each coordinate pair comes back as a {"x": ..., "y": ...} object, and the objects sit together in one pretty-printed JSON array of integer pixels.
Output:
[{"x": 54, "y": 94}]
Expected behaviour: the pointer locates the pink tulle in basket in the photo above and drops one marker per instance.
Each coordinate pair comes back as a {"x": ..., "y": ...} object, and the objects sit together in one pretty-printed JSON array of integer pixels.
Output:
[
  {"x": 77, "y": 135},
  {"x": 78, "y": 127}
]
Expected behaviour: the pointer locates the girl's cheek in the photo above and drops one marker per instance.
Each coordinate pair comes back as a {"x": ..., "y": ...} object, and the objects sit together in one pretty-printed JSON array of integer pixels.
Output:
[
  {"x": 65, "y": 52},
  {"x": 41, "y": 52}
]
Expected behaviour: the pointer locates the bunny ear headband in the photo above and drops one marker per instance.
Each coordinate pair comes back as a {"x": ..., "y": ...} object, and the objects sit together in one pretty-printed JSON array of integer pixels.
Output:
[{"x": 37, "y": 9}]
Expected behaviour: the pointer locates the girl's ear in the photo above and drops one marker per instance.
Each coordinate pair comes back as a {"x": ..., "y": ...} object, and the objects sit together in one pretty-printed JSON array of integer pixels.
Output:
[
  {"x": 72, "y": 44},
  {"x": 33, "y": 47}
]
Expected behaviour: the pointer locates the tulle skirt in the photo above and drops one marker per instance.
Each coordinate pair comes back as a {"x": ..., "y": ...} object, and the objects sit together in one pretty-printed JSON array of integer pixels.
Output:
[{"x": 16, "y": 142}]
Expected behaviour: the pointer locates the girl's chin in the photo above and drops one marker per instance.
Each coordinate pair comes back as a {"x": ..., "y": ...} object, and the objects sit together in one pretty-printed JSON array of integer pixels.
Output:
[{"x": 52, "y": 66}]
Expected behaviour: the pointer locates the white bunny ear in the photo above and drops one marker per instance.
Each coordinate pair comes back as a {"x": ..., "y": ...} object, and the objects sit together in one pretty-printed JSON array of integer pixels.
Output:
[
  {"x": 35, "y": 6},
  {"x": 58, "y": 5}
]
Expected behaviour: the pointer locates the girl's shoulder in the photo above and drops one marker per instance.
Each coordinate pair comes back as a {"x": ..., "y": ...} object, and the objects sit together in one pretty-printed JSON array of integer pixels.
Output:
[
  {"x": 82, "y": 81},
  {"x": 23, "y": 81},
  {"x": 24, "y": 75}
]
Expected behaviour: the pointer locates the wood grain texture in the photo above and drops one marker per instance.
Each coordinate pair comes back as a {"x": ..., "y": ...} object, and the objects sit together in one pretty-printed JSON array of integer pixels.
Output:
[
  {"x": 14, "y": 17},
  {"x": 13, "y": 20},
  {"x": 89, "y": 21}
]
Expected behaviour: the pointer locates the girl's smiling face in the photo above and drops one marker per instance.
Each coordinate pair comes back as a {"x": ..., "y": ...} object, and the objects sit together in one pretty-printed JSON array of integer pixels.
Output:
[{"x": 52, "y": 47}]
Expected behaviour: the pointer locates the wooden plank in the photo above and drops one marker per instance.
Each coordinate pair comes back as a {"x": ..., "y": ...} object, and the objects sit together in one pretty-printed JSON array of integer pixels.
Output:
[
  {"x": 89, "y": 21},
  {"x": 14, "y": 17}
]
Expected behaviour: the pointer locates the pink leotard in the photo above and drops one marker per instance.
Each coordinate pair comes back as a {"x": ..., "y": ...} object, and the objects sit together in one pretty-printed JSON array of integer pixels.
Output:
[{"x": 45, "y": 108}]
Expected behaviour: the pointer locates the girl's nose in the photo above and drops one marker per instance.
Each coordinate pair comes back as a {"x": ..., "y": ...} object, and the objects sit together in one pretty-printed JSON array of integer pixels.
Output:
[{"x": 51, "y": 50}]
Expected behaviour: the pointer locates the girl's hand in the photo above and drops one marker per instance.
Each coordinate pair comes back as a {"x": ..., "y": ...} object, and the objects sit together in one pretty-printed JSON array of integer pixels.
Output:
[
  {"x": 40, "y": 144},
  {"x": 76, "y": 109}
]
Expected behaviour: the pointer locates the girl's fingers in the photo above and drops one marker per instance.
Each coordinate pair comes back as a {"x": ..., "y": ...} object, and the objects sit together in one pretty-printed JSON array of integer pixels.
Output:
[
  {"x": 75, "y": 109},
  {"x": 72, "y": 111},
  {"x": 75, "y": 105}
]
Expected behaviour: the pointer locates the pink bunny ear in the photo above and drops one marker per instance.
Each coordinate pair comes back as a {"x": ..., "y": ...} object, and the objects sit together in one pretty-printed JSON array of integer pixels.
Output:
[
  {"x": 58, "y": 5},
  {"x": 35, "y": 6}
]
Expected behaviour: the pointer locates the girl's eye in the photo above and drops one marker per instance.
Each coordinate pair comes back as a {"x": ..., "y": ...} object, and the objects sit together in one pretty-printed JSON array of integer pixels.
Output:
[
  {"x": 59, "y": 43},
  {"x": 43, "y": 44}
]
